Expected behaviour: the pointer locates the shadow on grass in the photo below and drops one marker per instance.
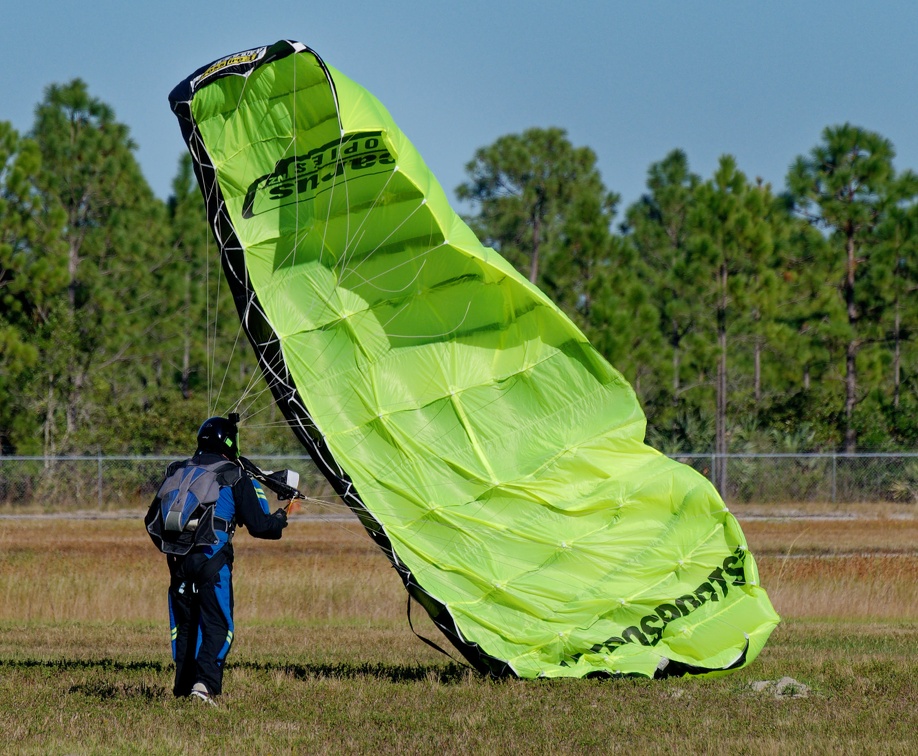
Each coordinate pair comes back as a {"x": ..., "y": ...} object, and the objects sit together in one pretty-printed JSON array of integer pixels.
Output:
[
  {"x": 448, "y": 674},
  {"x": 74, "y": 664},
  {"x": 105, "y": 691},
  {"x": 98, "y": 689}
]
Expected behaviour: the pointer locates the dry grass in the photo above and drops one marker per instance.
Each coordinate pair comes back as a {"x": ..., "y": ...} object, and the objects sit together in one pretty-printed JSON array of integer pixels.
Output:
[
  {"x": 858, "y": 588},
  {"x": 849, "y": 530},
  {"x": 108, "y": 570},
  {"x": 883, "y": 510},
  {"x": 848, "y": 566},
  {"x": 325, "y": 663},
  {"x": 329, "y": 573}
]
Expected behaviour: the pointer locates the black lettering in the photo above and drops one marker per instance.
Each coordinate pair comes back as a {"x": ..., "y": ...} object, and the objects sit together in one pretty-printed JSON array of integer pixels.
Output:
[
  {"x": 610, "y": 644},
  {"x": 652, "y": 626},
  {"x": 706, "y": 588},
  {"x": 668, "y": 612},
  {"x": 688, "y": 604},
  {"x": 362, "y": 162},
  {"x": 717, "y": 576},
  {"x": 307, "y": 183},
  {"x": 325, "y": 158},
  {"x": 297, "y": 166},
  {"x": 306, "y": 171},
  {"x": 632, "y": 634},
  {"x": 280, "y": 191},
  {"x": 281, "y": 168},
  {"x": 653, "y": 633},
  {"x": 274, "y": 180},
  {"x": 249, "y": 201},
  {"x": 733, "y": 566}
]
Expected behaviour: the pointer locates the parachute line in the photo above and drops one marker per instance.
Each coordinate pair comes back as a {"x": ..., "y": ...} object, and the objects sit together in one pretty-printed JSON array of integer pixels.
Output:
[{"x": 493, "y": 456}]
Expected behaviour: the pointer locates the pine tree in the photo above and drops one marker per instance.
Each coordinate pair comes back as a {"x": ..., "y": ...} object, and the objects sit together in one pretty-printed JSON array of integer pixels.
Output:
[
  {"x": 897, "y": 258},
  {"x": 100, "y": 368},
  {"x": 659, "y": 228},
  {"x": 32, "y": 278},
  {"x": 208, "y": 367},
  {"x": 188, "y": 280},
  {"x": 543, "y": 205},
  {"x": 733, "y": 237},
  {"x": 847, "y": 187},
  {"x": 526, "y": 186}
]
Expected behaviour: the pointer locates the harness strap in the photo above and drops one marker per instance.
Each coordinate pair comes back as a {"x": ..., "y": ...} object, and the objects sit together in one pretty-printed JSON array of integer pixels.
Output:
[{"x": 225, "y": 525}]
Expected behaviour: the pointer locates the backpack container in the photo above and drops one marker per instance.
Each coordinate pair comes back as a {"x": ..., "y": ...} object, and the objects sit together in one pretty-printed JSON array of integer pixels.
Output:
[{"x": 182, "y": 516}]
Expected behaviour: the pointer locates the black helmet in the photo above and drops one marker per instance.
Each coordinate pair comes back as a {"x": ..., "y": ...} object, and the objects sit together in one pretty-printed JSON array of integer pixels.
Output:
[{"x": 220, "y": 436}]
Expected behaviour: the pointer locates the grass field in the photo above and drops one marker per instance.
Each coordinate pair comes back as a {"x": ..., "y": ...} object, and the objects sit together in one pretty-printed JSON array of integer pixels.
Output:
[{"x": 324, "y": 660}]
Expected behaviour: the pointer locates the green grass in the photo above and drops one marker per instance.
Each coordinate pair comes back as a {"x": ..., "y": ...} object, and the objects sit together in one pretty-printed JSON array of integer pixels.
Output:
[
  {"x": 863, "y": 681},
  {"x": 340, "y": 675}
]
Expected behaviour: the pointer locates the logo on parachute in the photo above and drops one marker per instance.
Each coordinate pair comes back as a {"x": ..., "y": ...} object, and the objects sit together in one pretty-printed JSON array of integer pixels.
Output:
[
  {"x": 649, "y": 630},
  {"x": 236, "y": 59},
  {"x": 303, "y": 177}
]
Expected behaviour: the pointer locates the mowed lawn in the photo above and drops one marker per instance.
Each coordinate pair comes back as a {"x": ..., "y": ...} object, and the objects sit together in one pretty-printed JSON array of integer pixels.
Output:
[{"x": 324, "y": 660}]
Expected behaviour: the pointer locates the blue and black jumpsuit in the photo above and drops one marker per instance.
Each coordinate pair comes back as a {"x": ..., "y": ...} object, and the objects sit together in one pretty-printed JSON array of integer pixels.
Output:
[{"x": 201, "y": 585}]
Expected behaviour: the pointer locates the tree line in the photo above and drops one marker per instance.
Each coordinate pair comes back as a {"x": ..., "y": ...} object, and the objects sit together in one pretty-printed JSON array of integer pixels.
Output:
[{"x": 746, "y": 318}]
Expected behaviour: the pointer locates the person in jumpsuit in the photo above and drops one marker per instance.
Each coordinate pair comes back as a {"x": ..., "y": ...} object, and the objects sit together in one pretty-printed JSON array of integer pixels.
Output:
[{"x": 201, "y": 582}]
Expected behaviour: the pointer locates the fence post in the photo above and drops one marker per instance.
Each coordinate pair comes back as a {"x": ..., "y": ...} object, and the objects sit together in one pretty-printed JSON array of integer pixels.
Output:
[
  {"x": 833, "y": 476},
  {"x": 99, "y": 481}
]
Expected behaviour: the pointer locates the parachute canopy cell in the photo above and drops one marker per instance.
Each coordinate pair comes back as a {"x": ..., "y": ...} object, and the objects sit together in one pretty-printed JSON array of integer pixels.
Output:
[{"x": 488, "y": 449}]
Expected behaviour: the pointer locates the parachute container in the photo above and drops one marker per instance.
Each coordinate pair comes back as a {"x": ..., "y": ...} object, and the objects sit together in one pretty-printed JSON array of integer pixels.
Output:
[{"x": 488, "y": 449}]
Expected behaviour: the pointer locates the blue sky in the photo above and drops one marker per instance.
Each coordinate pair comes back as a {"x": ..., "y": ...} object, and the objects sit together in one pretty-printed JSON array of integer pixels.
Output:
[{"x": 632, "y": 80}]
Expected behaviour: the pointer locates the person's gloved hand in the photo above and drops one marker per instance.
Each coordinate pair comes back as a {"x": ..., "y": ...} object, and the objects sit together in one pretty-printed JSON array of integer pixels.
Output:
[{"x": 281, "y": 515}]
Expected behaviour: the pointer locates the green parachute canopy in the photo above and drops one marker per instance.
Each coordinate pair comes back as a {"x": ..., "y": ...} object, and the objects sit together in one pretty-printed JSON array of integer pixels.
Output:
[{"x": 488, "y": 449}]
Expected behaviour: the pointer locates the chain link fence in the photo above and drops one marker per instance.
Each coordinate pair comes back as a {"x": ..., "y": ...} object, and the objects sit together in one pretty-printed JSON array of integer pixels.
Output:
[
  {"x": 110, "y": 484},
  {"x": 812, "y": 478}
]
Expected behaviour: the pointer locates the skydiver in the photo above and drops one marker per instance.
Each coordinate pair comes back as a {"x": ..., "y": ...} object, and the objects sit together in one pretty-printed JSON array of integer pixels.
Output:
[{"x": 192, "y": 520}]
